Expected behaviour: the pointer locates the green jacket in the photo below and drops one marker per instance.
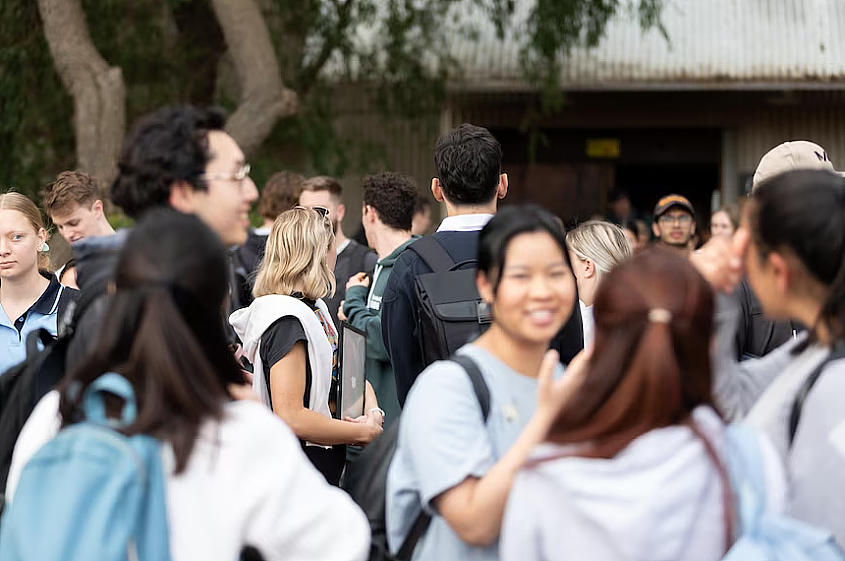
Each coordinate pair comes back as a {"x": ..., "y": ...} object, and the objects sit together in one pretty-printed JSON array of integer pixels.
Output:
[{"x": 368, "y": 320}]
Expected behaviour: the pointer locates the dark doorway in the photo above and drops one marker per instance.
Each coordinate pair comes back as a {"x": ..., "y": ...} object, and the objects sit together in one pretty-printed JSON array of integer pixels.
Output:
[{"x": 646, "y": 184}]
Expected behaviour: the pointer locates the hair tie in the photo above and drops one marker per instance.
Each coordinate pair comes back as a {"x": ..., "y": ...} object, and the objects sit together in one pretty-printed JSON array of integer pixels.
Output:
[{"x": 659, "y": 315}]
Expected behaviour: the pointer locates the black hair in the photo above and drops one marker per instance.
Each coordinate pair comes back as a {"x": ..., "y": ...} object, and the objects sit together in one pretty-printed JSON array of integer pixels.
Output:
[
  {"x": 469, "y": 162},
  {"x": 505, "y": 226},
  {"x": 166, "y": 146},
  {"x": 70, "y": 265},
  {"x": 617, "y": 195},
  {"x": 164, "y": 331},
  {"x": 393, "y": 196},
  {"x": 421, "y": 204},
  {"x": 804, "y": 211}
]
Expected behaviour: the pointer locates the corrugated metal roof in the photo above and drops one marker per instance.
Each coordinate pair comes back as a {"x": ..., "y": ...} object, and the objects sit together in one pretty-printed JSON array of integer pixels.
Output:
[{"x": 717, "y": 44}]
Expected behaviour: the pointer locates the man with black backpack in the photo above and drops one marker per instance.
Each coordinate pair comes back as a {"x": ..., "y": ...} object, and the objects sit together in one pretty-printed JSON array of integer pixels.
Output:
[{"x": 430, "y": 306}]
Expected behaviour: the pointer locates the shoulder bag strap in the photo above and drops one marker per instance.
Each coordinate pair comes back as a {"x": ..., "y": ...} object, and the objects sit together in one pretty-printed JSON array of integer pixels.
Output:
[
  {"x": 434, "y": 255},
  {"x": 798, "y": 404}
]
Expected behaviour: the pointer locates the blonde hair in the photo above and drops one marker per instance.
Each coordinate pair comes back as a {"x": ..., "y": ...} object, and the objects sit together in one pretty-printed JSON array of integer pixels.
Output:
[
  {"x": 603, "y": 243},
  {"x": 295, "y": 256},
  {"x": 22, "y": 204}
]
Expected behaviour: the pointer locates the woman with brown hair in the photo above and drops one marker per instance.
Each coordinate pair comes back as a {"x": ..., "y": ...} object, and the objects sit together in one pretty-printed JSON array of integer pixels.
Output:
[{"x": 633, "y": 465}]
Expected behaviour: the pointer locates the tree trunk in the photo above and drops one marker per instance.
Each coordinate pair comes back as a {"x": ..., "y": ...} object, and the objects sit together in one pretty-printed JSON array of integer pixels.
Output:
[
  {"x": 98, "y": 91},
  {"x": 264, "y": 99}
]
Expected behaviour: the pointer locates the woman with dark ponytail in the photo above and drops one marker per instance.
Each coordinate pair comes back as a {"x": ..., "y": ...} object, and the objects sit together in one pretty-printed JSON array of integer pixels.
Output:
[
  {"x": 795, "y": 262},
  {"x": 238, "y": 476},
  {"x": 634, "y": 465}
]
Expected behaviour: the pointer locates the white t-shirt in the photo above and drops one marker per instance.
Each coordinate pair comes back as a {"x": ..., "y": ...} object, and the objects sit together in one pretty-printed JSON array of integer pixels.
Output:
[{"x": 247, "y": 483}]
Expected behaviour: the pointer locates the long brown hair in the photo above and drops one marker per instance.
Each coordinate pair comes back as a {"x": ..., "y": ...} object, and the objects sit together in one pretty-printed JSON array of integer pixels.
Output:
[{"x": 651, "y": 363}]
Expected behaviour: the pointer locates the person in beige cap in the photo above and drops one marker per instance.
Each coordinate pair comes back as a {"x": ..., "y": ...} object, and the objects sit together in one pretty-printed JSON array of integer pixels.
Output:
[
  {"x": 790, "y": 156},
  {"x": 756, "y": 334}
]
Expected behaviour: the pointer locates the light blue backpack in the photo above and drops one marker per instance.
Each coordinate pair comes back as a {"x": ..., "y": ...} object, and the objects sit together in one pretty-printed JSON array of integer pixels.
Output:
[
  {"x": 762, "y": 536},
  {"x": 91, "y": 493}
]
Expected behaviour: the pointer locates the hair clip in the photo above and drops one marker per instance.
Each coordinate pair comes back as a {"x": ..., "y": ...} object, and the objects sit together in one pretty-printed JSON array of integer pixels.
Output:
[{"x": 659, "y": 315}]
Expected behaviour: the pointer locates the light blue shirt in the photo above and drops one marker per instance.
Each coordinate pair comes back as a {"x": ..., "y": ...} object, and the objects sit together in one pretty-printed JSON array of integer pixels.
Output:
[
  {"x": 13, "y": 332},
  {"x": 443, "y": 440}
]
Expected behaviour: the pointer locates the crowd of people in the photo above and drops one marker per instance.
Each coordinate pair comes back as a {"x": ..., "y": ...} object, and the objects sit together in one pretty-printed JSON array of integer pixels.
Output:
[{"x": 590, "y": 394}]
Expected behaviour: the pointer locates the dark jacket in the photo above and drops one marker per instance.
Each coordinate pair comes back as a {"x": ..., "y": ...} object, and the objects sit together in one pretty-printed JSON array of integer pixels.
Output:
[
  {"x": 354, "y": 259},
  {"x": 757, "y": 335},
  {"x": 399, "y": 319},
  {"x": 379, "y": 370},
  {"x": 245, "y": 262}
]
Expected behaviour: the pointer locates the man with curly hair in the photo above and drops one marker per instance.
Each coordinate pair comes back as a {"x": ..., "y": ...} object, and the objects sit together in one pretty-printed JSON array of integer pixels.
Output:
[
  {"x": 181, "y": 157},
  {"x": 387, "y": 216}
]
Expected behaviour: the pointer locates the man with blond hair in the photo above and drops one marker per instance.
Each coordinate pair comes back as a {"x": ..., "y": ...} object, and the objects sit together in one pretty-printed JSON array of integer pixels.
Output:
[{"x": 74, "y": 204}]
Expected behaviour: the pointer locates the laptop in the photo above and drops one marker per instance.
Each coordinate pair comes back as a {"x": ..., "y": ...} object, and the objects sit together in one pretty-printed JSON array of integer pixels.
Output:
[{"x": 352, "y": 357}]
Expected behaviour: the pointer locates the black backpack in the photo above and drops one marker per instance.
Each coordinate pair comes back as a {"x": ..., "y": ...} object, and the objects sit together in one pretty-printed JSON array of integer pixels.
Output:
[
  {"x": 450, "y": 312},
  {"x": 23, "y": 385},
  {"x": 366, "y": 478}
]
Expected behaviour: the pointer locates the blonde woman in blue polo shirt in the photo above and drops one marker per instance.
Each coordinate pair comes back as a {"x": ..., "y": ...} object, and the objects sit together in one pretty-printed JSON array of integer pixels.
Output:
[{"x": 29, "y": 294}]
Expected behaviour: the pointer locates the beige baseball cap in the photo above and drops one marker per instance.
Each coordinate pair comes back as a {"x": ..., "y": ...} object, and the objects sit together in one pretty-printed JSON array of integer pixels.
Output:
[{"x": 790, "y": 156}]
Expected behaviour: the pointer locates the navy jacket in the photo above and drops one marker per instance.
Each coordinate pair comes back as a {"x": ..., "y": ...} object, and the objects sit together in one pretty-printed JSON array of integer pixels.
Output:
[{"x": 399, "y": 321}]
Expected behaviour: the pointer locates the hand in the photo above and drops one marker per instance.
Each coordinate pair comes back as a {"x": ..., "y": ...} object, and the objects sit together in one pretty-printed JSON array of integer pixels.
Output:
[
  {"x": 370, "y": 430},
  {"x": 552, "y": 394},
  {"x": 340, "y": 315},
  {"x": 719, "y": 262},
  {"x": 361, "y": 279}
]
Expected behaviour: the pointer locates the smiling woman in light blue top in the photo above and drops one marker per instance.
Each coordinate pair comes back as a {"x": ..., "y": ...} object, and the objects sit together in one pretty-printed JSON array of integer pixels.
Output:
[
  {"x": 29, "y": 295},
  {"x": 448, "y": 460}
]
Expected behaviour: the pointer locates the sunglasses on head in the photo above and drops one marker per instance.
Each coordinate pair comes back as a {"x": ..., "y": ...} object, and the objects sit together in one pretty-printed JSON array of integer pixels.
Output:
[{"x": 321, "y": 210}]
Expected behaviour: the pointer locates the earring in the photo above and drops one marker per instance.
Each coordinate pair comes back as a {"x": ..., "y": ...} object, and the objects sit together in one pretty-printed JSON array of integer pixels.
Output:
[{"x": 44, "y": 247}]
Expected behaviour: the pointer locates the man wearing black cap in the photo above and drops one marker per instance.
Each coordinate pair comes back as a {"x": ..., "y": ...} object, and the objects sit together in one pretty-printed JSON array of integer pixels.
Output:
[{"x": 674, "y": 223}]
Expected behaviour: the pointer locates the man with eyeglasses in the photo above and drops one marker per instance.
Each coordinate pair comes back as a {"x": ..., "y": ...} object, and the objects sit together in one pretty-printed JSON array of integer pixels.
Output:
[
  {"x": 179, "y": 157},
  {"x": 674, "y": 223}
]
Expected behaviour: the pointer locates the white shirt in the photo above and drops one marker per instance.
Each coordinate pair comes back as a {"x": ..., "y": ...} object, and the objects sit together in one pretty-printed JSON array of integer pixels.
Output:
[
  {"x": 587, "y": 322},
  {"x": 247, "y": 483},
  {"x": 464, "y": 223}
]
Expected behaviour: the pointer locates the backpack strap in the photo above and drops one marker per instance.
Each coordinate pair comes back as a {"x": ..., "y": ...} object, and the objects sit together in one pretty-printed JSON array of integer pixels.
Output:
[
  {"x": 482, "y": 392},
  {"x": 434, "y": 255},
  {"x": 798, "y": 404}
]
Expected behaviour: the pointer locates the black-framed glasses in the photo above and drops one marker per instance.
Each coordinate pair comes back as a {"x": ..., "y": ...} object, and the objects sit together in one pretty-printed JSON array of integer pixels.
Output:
[
  {"x": 239, "y": 175},
  {"x": 321, "y": 210},
  {"x": 683, "y": 219}
]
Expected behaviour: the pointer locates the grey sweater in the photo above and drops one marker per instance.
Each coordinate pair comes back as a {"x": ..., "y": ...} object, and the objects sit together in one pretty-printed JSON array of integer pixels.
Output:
[{"x": 762, "y": 391}]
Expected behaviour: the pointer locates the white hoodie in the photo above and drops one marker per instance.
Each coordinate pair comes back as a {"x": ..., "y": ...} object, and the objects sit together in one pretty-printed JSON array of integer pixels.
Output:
[
  {"x": 251, "y": 323},
  {"x": 660, "y": 499}
]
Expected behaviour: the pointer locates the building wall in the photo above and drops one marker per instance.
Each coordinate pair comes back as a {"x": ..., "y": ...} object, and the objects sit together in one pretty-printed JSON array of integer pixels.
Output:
[{"x": 382, "y": 143}]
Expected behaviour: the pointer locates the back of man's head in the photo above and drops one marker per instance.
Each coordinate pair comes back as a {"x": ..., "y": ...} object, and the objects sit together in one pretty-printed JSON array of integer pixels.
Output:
[
  {"x": 167, "y": 146},
  {"x": 392, "y": 196},
  {"x": 70, "y": 190},
  {"x": 324, "y": 183},
  {"x": 280, "y": 193},
  {"x": 469, "y": 163}
]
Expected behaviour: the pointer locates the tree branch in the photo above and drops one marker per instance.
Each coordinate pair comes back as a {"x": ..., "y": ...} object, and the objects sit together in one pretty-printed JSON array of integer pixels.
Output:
[
  {"x": 310, "y": 72},
  {"x": 98, "y": 91},
  {"x": 264, "y": 99}
]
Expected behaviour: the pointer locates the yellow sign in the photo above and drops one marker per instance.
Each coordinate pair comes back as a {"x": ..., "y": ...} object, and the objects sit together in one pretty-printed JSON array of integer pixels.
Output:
[{"x": 603, "y": 147}]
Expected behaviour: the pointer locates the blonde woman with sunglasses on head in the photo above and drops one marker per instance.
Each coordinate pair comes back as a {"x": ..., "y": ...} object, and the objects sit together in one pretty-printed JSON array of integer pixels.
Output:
[{"x": 289, "y": 337}]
